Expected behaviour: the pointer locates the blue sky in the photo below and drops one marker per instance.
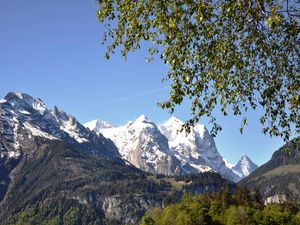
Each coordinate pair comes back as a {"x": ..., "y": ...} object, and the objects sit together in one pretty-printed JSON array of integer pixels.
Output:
[{"x": 52, "y": 50}]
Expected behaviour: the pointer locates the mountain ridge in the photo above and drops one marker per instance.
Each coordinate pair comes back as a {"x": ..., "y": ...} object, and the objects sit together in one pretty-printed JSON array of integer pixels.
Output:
[
  {"x": 54, "y": 170},
  {"x": 195, "y": 150},
  {"x": 278, "y": 179},
  {"x": 23, "y": 110}
]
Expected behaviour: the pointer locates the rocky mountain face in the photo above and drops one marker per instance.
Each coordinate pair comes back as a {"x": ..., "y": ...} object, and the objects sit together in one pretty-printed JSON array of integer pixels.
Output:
[
  {"x": 53, "y": 170},
  {"x": 24, "y": 119},
  {"x": 278, "y": 179},
  {"x": 163, "y": 149},
  {"x": 142, "y": 144},
  {"x": 21, "y": 112}
]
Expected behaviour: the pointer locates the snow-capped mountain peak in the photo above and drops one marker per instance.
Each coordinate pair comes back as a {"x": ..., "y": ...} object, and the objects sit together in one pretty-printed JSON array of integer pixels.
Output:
[
  {"x": 228, "y": 164},
  {"x": 244, "y": 159},
  {"x": 244, "y": 166},
  {"x": 146, "y": 145},
  {"x": 142, "y": 119},
  {"x": 173, "y": 129},
  {"x": 196, "y": 148},
  {"x": 141, "y": 143},
  {"x": 97, "y": 125},
  {"x": 141, "y": 125},
  {"x": 173, "y": 121},
  {"x": 20, "y": 101},
  {"x": 23, "y": 117}
]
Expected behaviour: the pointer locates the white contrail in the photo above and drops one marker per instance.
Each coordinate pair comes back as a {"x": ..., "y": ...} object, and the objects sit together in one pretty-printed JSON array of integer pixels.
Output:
[{"x": 128, "y": 97}]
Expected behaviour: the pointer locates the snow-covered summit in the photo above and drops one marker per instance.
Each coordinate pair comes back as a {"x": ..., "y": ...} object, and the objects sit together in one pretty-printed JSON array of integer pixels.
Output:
[
  {"x": 196, "y": 148},
  {"x": 97, "y": 125},
  {"x": 244, "y": 167},
  {"x": 144, "y": 144},
  {"x": 142, "y": 119},
  {"x": 21, "y": 101},
  {"x": 173, "y": 121},
  {"x": 172, "y": 129},
  {"x": 141, "y": 143},
  {"x": 23, "y": 117}
]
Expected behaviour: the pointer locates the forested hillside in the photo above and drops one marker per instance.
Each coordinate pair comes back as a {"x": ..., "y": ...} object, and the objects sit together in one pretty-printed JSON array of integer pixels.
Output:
[
  {"x": 279, "y": 178},
  {"x": 223, "y": 208}
]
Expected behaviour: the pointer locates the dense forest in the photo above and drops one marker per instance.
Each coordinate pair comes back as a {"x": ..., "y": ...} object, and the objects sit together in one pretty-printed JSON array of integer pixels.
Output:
[{"x": 224, "y": 208}]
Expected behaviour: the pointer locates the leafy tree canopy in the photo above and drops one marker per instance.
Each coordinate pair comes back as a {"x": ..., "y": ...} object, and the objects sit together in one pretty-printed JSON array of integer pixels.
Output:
[
  {"x": 207, "y": 209},
  {"x": 237, "y": 55}
]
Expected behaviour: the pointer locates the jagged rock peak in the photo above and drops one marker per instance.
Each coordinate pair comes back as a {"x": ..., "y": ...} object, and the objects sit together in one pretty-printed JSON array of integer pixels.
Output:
[
  {"x": 245, "y": 160},
  {"x": 244, "y": 166},
  {"x": 22, "y": 113},
  {"x": 24, "y": 101}
]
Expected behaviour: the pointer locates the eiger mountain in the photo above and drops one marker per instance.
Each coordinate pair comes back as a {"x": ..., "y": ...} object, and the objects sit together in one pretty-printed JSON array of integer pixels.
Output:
[
  {"x": 278, "y": 180},
  {"x": 162, "y": 149},
  {"x": 53, "y": 170}
]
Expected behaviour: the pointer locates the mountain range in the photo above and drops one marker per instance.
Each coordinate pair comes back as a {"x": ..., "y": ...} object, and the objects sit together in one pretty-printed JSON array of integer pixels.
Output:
[
  {"x": 165, "y": 150},
  {"x": 53, "y": 170}
]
